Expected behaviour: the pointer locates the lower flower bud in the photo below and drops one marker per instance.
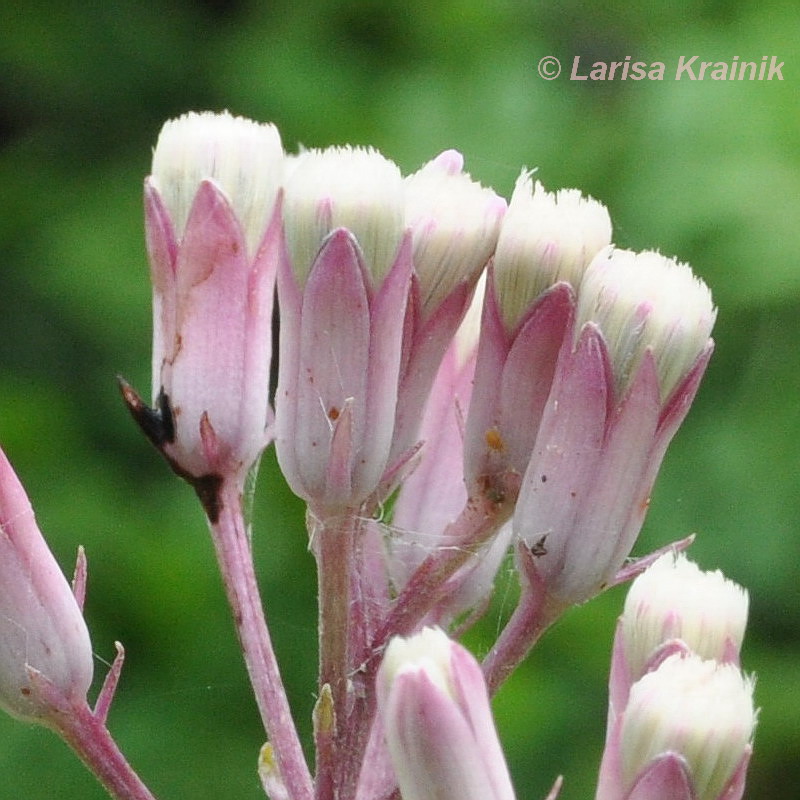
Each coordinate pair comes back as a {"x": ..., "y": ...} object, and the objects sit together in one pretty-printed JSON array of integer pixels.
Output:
[
  {"x": 43, "y": 638},
  {"x": 437, "y": 720},
  {"x": 700, "y": 710}
]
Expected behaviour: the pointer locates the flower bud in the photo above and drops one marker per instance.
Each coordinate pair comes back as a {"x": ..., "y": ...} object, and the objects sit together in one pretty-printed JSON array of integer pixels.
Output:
[
  {"x": 42, "y": 631},
  {"x": 675, "y": 599},
  {"x": 646, "y": 302},
  {"x": 454, "y": 222},
  {"x": 208, "y": 205},
  {"x": 435, "y": 711},
  {"x": 545, "y": 243},
  {"x": 619, "y": 394},
  {"x": 343, "y": 287},
  {"x": 545, "y": 238},
  {"x": 696, "y": 713}
]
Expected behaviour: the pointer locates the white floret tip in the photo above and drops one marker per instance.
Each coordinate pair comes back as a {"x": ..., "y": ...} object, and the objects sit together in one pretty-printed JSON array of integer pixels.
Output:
[
  {"x": 646, "y": 301},
  {"x": 455, "y": 223},
  {"x": 545, "y": 238},
  {"x": 675, "y": 599},
  {"x": 343, "y": 187},
  {"x": 699, "y": 709},
  {"x": 243, "y": 157}
]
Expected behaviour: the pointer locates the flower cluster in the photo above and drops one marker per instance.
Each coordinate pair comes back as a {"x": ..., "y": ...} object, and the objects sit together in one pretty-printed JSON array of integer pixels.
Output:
[
  {"x": 681, "y": 715},
  {"x": 457, "y": 377}
]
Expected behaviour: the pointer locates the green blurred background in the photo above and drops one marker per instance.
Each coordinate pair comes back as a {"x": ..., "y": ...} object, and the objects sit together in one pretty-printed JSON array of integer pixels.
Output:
[{"x": 706, "y": 170}]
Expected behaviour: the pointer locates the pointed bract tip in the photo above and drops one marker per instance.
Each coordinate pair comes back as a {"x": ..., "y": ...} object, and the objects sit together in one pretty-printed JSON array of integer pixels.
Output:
[
  {"x": 155, "y": 423},
  {"x": 324, "y": 712},
  {"x": 269, "y": 774},
  {"x": 79, "y": 577},
  {"x": 451, "y": 161},
  {"x": 556, "y": 790}
]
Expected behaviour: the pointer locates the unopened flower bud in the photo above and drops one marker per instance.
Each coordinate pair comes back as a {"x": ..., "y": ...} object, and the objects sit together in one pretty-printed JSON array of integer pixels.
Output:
[
  {"x": 545, "y": 243},
  {"x": 675, "y": 599},
  {"x": 545, "y": 238},
  {"x": 697, "y": 714},
  {"x": 435, "y": 711},
  {"x": 454, "y": 223},
  {"x": 343, "y": 187},
  {"x": 620, "y": 392},
  {"x": 208, "y": 206},
  {"x": 42, "y": 630},
  {"x": 241, "y": 156},
  {"x": 646, "y": 302},
  {"x": 343, "y": 295}
]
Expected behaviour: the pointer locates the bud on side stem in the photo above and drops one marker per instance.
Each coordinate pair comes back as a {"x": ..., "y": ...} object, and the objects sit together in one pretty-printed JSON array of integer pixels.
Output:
[
  {"x": 42, "y": 630},
  {"x": 435, "y": 711}
]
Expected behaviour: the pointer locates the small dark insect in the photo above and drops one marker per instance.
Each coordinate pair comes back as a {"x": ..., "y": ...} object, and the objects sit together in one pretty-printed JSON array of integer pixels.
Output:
[{"x": 538, "y": 549}]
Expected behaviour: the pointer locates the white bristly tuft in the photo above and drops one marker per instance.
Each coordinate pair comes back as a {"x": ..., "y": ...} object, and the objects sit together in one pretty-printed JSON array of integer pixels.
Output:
[
  {"x": 243, "y": 157},
  {"x": 644, "y": 301}
]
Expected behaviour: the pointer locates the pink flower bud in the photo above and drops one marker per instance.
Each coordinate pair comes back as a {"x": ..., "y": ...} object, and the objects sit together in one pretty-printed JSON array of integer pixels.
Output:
[
  {"x": 43, "y": 636},
  {"x": 208, "y": 205},
  {"x": 618, "y": 396},
  {"x": 672, "y": 609},
  {"x": 675, "y": 600},
  {"x": 546, "y": 238},
  {"x": 343, "y": 287},
  {"x": 545, "y": 243},
  {"x": 454, "y": 225},
  {"x": 435, "y": 711},
  {"x": 685, "y": 734}
]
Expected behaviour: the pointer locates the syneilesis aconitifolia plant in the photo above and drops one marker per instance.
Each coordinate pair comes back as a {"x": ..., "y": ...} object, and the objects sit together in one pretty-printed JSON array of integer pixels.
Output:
[{"x": 530, "y": 414}]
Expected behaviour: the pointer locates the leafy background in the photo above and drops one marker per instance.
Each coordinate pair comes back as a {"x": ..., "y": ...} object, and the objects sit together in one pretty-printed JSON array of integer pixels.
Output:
[{"x": 706, "y": 170}]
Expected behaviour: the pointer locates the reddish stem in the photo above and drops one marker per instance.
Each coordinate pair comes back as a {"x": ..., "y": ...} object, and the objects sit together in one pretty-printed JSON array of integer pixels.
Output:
[
  {"x": 480, "y": 518},
  {"x": 87, "y": 735},
  {"x": 333, "y": 543},
  {"x": 534, "y": 614},
  {"x": 234, "y": 554}
]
